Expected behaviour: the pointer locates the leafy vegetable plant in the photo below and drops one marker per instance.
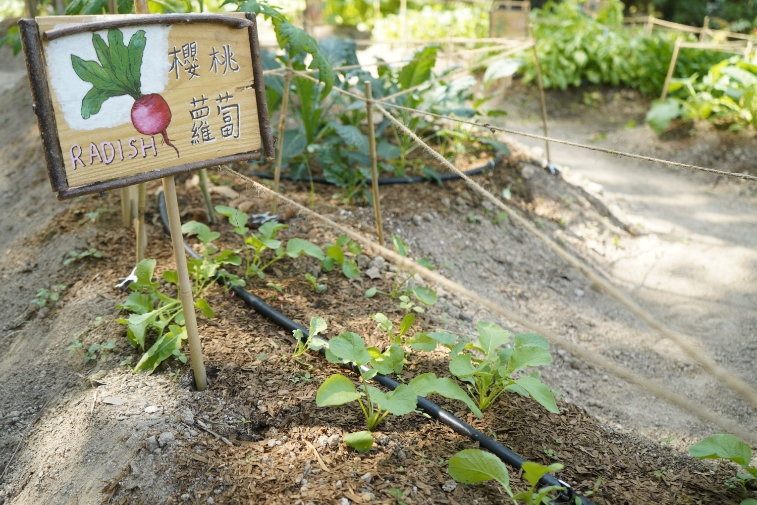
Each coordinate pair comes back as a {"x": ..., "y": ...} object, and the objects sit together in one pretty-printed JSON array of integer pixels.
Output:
[
  {"x": 317, "y": 288},
  {"x": 73, "y": 256},
  {"x": 471, "y": 466},
  {"x": 724, "y": 446},
  {"x": 491, "y": 369},
  {"x": 313, "y": 342},
  {"x": 374, "y": 403},
  {"x": 206, "y": 269},
  {"x": 50, "y": 296},
  {"x": 152, "y": 310},
  {"x": 335, "y": 255}
]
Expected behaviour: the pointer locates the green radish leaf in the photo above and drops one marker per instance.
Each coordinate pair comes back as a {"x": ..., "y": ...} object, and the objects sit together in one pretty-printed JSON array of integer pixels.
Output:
[
  {"x": 491, "y": 336},
  {"x": 201, "y": 230},
  {"x": 528, "y": 356},
  {"x": 385, "y": 324},
  {"x": 271, "y": 228},
  {"x": 460, "y": 366},
  {"x": 471, "y": 466},
  {"x": 533, "y": 472},
  {"x": 427, "y": 383},
  {"x": 298, "y": 246},
  {"x": 399, "y": 245},
  {"x": 335, "y": 252},
  {"x": 317, "y": 325},
  {"x": 399, "y": 402},
  {"x": 93, "y": 101},
  {"x": 336, "y": 390},
  {"x": 350, "y": 269},
  {"x": 119, "y": 60},
  {"x": 406, "y": 323},
  {"x": 327, "y": 265},
  {"x": 171, "y": 276},
  {"x": 443, "y": 338},
  {"x": 138, "y": 303},
  {"x": 144, "y": 271},
  {"x": 388, "y": 362},
  {"x": 162, "y": 349},
  {"x": 93, "y": 73},
  {"x": 539, "y": 392},
  {"x": 662, "y": 113},
  {"x": 371, "y": 292},
  {"x": 725, "y": 447},
  {"x": 138, "y": 324},
  {"x": 361, "y": 441},
  {"x": 136, "y": 50},
  {"x": 422, "y": 342},
  {"x": 201, "y": 304},
  {"x": 350, "y": 347},
  {"x": 237, "y": 218},
  {"x": 426, "y": 296},
  {"x": 530, "y": 339}
]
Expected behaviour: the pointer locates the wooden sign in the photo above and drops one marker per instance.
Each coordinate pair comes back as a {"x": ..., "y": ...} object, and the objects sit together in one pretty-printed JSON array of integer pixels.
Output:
[
  {"x": 509, "y": 19},
  {"x": 126, "y": 99}
]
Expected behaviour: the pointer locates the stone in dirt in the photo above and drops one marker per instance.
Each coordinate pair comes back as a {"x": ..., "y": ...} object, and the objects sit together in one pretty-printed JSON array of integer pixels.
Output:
[
  {"x": 151, "y": 444},
  {"x": 363, "y": 261},
  {"x": 187, "y": 417},
  {"x": 449, "y": 486},
  {"x": 113, "y": 400},
  {"x": 152, "y": 409},
  {"x": 379, "y": 263},
  {"x": 366, "y": 478},
  {"x": 373, "y": 273},
  {"x": 166, "y": 438}
]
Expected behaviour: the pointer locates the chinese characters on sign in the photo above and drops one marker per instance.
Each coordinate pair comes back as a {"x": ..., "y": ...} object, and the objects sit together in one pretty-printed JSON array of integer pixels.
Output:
[
  {"x": 186, "y": 57},
  {"x": 200, "y": 113}
]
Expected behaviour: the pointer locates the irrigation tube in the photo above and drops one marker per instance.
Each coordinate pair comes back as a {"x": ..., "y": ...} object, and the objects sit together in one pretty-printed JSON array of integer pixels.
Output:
[
  {"x": 393, "y": 180},
  {"x": 433, "y": 410}
]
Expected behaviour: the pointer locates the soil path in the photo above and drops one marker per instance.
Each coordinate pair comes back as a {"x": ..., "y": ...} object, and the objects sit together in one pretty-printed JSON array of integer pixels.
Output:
[{"x": 693, "y": 266}]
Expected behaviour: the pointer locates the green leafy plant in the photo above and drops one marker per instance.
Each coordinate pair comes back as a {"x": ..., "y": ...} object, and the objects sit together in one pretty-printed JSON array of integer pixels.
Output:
[
  {"x": 317, "y": 288},
  {"x": 336, "y": 255},
  {"x": 375, "y": 404},
  {"x": 313, "y": 342},
  {"x": 491, "y": 369},
  {"x": 96, "y": 214},
  {"x": 91, "y": 354},
  {"x": 208, "y": 267},
  {"x": 724, "y": 446},
  {"x": 45, "y": 297},
  {"x": 73, "y": 256},
  {"x": 153, "y": 311}
]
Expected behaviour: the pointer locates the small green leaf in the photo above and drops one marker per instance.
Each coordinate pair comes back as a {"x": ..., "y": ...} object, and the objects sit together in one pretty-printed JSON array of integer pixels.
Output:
[
  {"x": 422, "y": 342},
  {"x": 443, "y": 338},
  {"x": 350, "y": 347},
  {"x": 471, "y": 466},
  {"x": 662, "y": 113},
  {"x": 533, "y": 472},
  {"x": 530, "y": 339},
  {"x": 460, "y": 366},
  {"x": 406, "y": 323},
  {"x": 399, "y": 402},
  {"x": 298, "y": 246},
  {"x": 390, "y": 361},
  {"x": 371, "y": 292},
  {"x": 427, "y": 383},
  {"x": 385, "y": 324},
  {"x": 144, "y": 271},
  {"x": 528, "y": 356},
  {"x": 425, "y": 295},
  {"x": 138, "y": 303},
  {"x": 336, "y": 390},
  {"x": 491, "y": 336},
  {"x": 539, "y": 392},
  {"x": 201, "y": 230},
  {"x": 171, "y": 276},
  {"x": 399, "y": 245},
  {"x": 723, "y": 446},
  {"x": 361, "y": 441},
  {"x": 350, "y": 269},
  {"x": 162, "y": 349},
  {"x": 336, "y": 253},
  {"x": 207, "y": 311},
  {"x": 317, "y": 325}
]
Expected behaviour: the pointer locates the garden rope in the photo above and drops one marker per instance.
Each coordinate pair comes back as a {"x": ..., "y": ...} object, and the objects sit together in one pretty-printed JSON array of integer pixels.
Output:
[
  {"x": 683, "y": 403},
  {"x": 683, "y": 341}
]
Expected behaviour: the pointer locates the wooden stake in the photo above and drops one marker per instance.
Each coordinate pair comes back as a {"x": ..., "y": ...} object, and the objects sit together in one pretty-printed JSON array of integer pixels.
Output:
[
  {"x": 140, "y": 228},
  {"x": 206, "y": 195},
  {"x": 185, "y": 288},
  {"x": 705, "y": 29},
  {"x": 671, "y": 69},
  {"x": 125, "y": 207},
  {"x": 541, "y": 93},
  {"x": 31, "y": 8},
  {"x": 280, "y": 146},
  {"x": 650, "y": 25},
  {"x": 374, "y": 164}
]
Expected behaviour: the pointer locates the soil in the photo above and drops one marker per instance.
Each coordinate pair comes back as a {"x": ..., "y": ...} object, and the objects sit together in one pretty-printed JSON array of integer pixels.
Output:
[{"x": 73, "y": 433}]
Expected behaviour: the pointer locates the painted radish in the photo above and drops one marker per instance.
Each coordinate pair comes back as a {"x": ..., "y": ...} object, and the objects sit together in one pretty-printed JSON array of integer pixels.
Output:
[{"x": 119, "y": 73}]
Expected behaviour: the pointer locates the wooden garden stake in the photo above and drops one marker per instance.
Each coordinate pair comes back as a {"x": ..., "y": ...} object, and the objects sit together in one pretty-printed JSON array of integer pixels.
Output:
[
  {"x": 541, "y": 93},
  {"x": 206, "y": 195},
  {"x": 671, "y": 69},
  {"x": 125, "y": 207},
  {"x": 31, "y": 8},
  {"x": 650, "y": 25},
  {"x": 141, "y": 7},
  {"x": 280, "y": 146},
  {"x": 705, "y": 29},
  {"x": 374, "y": 164},
  {"x": 185, "y": 288}
]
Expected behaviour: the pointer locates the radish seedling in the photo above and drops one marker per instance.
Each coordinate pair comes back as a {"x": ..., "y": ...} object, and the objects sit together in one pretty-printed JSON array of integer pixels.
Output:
[
  {"x": 314, "y": 342},
  {"x": 731, "y": 448},
  {"x": 374, "y": 403},
  {"x": 119, "y": 73},
  {"x": 491, "y": 369}
]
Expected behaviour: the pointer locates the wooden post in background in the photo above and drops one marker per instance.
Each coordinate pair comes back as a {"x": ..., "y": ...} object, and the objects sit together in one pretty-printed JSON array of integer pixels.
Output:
[
  {"x": 31, "y": 8},
  {"x": 650, "y": 25},
  {"x": 705, "y": 29},
  {"x": 542, "y": 99},
  {"x": 141, "y": 7},
  {"x": 280, "y": 145},
  {"x": 185, "y": 288},
  {"x": 671, "y": 69},
  {"x": 374, "y": 163}
]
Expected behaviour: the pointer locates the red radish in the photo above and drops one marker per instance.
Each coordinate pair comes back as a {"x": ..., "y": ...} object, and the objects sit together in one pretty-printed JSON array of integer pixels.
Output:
[{"x": 150, "y": 115}]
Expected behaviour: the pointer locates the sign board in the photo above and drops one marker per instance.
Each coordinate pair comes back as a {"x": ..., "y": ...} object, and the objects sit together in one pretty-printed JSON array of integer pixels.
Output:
[
  {"x": 126, "y": 99},
  {"x": 509, "y": 19}
]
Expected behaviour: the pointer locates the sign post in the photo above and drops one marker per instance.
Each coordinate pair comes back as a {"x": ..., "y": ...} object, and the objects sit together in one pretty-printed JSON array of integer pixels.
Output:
[{"x": 122, "y": 100}]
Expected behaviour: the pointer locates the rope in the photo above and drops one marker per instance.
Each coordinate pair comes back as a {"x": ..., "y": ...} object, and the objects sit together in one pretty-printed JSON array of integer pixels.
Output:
[
  {"x": 682, "y": 340},
  {"x": 491, "y": 128},
  {"x": 683, "y": 403}
]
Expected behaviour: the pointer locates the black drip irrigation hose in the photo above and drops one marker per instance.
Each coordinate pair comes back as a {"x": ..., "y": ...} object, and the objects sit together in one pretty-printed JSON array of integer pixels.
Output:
[
  {"x": 393, "y": 180},
  {"x": 568, "y": 496}
]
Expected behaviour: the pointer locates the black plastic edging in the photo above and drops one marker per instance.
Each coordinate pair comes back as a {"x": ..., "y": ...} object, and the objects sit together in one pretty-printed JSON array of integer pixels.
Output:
[
  {"x": 393, "y": 180},
  {"x": 506, "y": 455}
]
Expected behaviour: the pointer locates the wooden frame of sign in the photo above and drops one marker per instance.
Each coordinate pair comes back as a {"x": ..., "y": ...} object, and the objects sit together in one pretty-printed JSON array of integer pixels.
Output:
[{"x": 122, "y": 100}]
